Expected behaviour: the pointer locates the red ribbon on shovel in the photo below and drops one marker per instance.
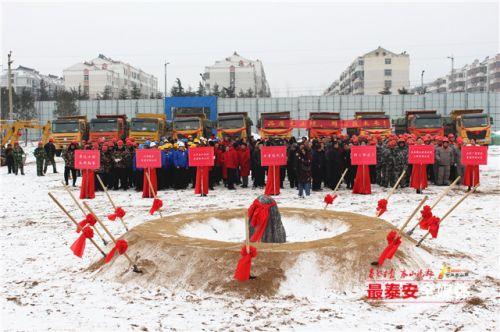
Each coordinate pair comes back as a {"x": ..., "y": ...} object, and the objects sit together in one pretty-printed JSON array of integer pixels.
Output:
[
  {"x": 78, "y": 247},
  {"x": 242, "y": 272}
]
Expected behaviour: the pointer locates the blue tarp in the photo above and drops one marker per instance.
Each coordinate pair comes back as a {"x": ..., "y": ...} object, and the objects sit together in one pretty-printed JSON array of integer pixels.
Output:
[{"x": 207, "y": 102}]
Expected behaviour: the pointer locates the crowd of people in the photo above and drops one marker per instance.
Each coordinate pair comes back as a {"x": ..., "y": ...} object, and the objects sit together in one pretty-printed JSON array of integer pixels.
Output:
[{"x": 312, "y": 164}]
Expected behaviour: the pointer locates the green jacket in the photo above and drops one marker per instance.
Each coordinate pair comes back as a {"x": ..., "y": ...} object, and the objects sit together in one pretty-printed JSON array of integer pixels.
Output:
[
  {"x": 40, "y": 154},
  {"x": 18, "y": 153}
]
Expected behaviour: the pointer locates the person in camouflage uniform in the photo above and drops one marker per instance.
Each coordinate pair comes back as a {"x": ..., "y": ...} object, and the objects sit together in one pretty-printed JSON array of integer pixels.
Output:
[
  {"x": 400, "y": 162},
  {"x": 40, "y": 156},
  {"x": 18, "y": 154},
  {"x": 121, "y": 157},
  {"x": 387, "y": 162},
  {"x": 68, "y": 156},
  {"x": 378, "y": 168},
  {"x": 107, "y": 166}
]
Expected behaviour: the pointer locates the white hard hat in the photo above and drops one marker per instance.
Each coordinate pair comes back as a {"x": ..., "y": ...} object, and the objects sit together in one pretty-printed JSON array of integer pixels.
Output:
[{"x": 181, "y": 143}]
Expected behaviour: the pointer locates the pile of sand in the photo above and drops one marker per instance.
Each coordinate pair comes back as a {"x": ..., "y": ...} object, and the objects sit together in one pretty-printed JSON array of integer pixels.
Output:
[{"x": 334, "y": 264}]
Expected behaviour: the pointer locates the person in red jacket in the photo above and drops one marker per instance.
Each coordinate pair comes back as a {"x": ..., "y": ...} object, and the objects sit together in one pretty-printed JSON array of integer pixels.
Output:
[
  {"x": 362, "y": 183},
  {"x": 419, "y": 173},
  {"x": 244, "y": 163},
  {"x": 471, "y": 174},
  {"x": 231, "y": 163}
]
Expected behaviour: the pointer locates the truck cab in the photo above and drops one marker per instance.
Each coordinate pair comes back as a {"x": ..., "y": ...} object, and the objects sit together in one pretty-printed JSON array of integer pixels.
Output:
[
  {"x": 233, "y": 125},
  {"x": 275, "y": 125},
  {"x": 147, "y": 126},
  {"x": 371, "y": 123},
  {"x": 323, "y": 124},
  {"x": 108, "y": 127},
  {"x": 67, "y": 129},
  {"x": 422, "y": 122},
  {"x": 473, "y": 124}
]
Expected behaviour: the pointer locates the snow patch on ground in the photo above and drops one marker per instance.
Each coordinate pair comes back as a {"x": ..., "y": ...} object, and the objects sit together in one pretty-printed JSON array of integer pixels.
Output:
[{"x": 233, "y": 230}]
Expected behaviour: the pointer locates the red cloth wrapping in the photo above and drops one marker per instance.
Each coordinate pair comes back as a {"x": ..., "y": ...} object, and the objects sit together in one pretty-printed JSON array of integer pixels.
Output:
[
  {"x": 258, "y": 214},
  {"x": 273, "y": 188},
  {"x": 362, "y": 183},
  {"x": 419, "y": 176},
  {"x": 119, "y": 212},
  {"x": 242, "y": 272},
  {"x": 89, "y": 220},
  {"x": 393, "y": 242},
  {"x": 329, "y": 198},
  {"x": 381, "y": 207},
  {"x": 120, "y": 246},
  {"x": 87, "y": 188},
  {"x": 471, "y": 175},
  {"x": 426, "y": 215},
  {"x": 146, "y": 192},
  {"x": 434, "y": 226},
  {"x": 199, "y": 178},
  {"x": 78, "y": 247},
  {"x": 157, "y": 204}
]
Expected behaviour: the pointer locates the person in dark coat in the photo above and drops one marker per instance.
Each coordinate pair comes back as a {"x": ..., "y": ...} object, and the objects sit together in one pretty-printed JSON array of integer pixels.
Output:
[
  {"x": 351, "y": 169},
  {"x": 9, "y": 158},
  {"x": 292, "y": 165},
  {"x": 335, "y": 164},
  {"x": 50, "y": 151},
  {"x": 317, "y": 167},
  {"x": 304, "y": 170},
  {"x": 259, "y": 176}
]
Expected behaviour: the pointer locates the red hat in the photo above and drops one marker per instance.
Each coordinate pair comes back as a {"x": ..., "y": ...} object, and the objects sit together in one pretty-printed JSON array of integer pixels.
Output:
[
  {"x": 445, "y": 139},
  {"x": 460, "y": 140},
  {"x": 401, "y": 140},
  {"x": 451, "y": 136},
  {"x": 120, "y": 142},
  {"x": 411, "y": 142},
  {"x": 129, "y": 143},
  {"x": 51, "y": 140},
  {"x": 392, "y": 143},
  {"x": 40, "y": 143},
  {"x": 104, "y": 147}
]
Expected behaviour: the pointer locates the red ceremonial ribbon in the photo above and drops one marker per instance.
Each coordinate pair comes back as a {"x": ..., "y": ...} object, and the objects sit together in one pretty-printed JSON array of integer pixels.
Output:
[
  {"x": 120, "y": 246},
  {"x": 89, "y": 220},
  {"x": 329, "y": 198},
  {"x": 242, "y": 272},
  {"x": 258, "y": 213},
  {"x": 119, "y": 212},
  {"x": 393, "y": 242},
  {"x": 381, "y": 207},
  {"x": 78, "y": 247},
  {"x": 157, "y": 204},
  {"x": 434, "y": 226},
  {"x": 426, "y": 216}
]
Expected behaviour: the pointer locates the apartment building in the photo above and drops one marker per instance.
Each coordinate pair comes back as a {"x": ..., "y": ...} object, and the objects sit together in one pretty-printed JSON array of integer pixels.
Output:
[
  {"x": 373, "y": 73},
  {"x": 25, "y": 78},
  {"x": 103, "y": 73}
]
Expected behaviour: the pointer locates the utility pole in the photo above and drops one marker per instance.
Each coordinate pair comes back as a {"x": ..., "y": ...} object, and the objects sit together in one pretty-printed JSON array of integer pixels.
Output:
[
  {"x": 452, "y": 79},
  {"x": 165, "y": 87},
  {"x": 9, "y": 74},
  {"x": 422, "y": 81}
]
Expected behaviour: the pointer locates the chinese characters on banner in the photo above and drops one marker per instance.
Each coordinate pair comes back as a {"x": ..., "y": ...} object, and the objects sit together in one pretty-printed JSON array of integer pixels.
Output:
[
  {"x": 273, "y": 155},
  {"x": 474, "y": 155},
  {"x": 318, "y": 124},
  {"x": 202, "y": 156},
  {"x": 392, "y": 291},
  {"x": 87, "y": 159},
  {"x": 421, "y": 154},
  {"x": 148, "y": 158},
  {"x": 364, "y": 155}
]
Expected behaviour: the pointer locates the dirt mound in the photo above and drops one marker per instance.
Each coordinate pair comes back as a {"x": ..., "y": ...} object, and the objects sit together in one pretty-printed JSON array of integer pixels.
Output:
[{"x": 337, "y": 264}]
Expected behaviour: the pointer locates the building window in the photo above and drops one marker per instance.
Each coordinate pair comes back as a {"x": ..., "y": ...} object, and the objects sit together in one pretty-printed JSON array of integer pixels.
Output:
[
  {"x": 388, "y": 61},
  {"x": 85, "y": 77},
  {"x": 360, "y": 62},
  {"x": 388, "y": 72},
  {"x": 388, "y": 84}
]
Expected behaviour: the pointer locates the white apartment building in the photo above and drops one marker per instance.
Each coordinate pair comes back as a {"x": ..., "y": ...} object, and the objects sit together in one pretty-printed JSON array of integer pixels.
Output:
[
  {"x": 373, "y": 72},
  {"x": 479, "y": 76},
  {"x": 24, "y": 78},
  {"x": 102, "y": 72},
  {"x": 239, "y": 73}
]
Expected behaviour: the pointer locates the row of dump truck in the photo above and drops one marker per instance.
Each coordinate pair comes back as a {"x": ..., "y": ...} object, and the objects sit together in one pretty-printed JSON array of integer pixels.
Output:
[{"x": 188, "y": 122}]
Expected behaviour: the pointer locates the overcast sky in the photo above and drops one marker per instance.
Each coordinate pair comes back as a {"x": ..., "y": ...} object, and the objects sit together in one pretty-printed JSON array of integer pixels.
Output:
[{"x": 304, "y": 46}]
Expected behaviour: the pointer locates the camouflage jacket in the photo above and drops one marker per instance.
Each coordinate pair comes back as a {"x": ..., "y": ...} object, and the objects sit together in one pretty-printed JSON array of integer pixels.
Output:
[
  {"x": 18, "y": 153},
  {"x": 387, "y": 159},
  {"x": 400, "y": 157},
  {"x": 106, "y": 161},
  {"x": 121, "y": 158},
  {"x": 69, "y": 158},
  {"x": 40, "y": 154}
]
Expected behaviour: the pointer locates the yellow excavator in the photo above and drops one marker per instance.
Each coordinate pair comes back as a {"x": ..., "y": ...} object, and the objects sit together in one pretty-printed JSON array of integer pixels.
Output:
[{"x": 12, "y": 130}]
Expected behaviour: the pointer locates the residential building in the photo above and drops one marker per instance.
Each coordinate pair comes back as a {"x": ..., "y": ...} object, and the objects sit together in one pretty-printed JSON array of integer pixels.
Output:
[
  {"x": 25, "y": 78},
  {"x": 238, "y": 73},
  {"x": 372, "y": 73},
  {"x": 101, "y": 73}
]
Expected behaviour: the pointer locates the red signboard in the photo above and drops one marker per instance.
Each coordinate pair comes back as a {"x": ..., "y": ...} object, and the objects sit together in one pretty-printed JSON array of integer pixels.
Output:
[
  {"x": 474, "y": 155},
  {"x": 363, "y": 155},
  {"x": 148, "y": 158},
  {"x": 87, "y": 159},
  {"x": 273, "y": 155},
  {"x": 202, "y": 156},
  {"x": 421, "y": 154},
  {"x": 327, "y": 124},
  {"x": 271, "y": 124},
  {"x": 299, "y": 123}
]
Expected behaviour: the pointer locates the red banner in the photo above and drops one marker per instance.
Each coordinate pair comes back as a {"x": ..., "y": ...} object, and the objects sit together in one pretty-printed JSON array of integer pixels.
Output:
[
  {"x": 273, "y": 155},
  {"x": 148, "y": 158},
  {"x": 328, "y": 124},
  {"x": 474, "y": 155},
  {"x": 363, "y": 155},
  {"x": 202, "y": 156},
  {"x": 87, "y": 159},
  {"x": 421, "y": 154}
]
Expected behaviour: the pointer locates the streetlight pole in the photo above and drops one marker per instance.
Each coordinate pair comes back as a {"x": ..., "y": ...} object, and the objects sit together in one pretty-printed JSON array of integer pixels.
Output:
[
  {"x": 9, "y": 85},
  {"x": 452, "y": 58},
  {"x": 165, "y": 87},
  {"x": 422, "y": 81}
]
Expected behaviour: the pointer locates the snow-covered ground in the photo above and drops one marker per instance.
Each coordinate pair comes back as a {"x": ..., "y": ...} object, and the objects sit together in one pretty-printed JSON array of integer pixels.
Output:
[{"x": 45, "y": 287}]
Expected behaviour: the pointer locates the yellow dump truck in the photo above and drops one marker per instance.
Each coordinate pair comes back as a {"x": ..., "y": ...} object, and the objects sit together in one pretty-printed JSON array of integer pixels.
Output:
[
  {"x": 472, "y": 123},
  {"x": 66, "y": 129},
  {"x": 235, "y": 125},
  {"x": 148, "y": 127}
]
